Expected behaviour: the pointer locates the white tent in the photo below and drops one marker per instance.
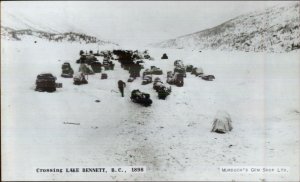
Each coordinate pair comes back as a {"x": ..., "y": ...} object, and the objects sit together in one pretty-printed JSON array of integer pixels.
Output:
[{"x": 222, "y": 122}]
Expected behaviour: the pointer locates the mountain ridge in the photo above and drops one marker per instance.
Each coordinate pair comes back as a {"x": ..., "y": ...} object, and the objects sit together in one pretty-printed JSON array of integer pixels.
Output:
[
  {"x": 275, "y": 29},
  {"x": 17, "y": 27},
  {"x": 17, "y": 35}
]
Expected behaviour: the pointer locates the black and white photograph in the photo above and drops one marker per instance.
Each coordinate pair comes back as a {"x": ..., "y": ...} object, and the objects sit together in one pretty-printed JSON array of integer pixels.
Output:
[{"x": 150, "y": 91}]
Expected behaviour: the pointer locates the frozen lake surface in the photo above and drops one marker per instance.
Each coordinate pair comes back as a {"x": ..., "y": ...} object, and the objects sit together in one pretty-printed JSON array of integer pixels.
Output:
[{"x": 171, "y": 138}]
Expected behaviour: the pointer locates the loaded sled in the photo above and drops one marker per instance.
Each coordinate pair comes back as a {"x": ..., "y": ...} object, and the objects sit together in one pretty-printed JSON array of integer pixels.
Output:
[
  {"x": 67, "y": 71},
  {"x": 45, "y": 82},
  {"x": 140, "y": 97}
]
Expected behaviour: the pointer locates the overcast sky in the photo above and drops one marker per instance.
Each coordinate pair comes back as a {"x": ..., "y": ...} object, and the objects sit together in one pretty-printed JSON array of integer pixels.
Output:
[{"x": 130, "y": 22}]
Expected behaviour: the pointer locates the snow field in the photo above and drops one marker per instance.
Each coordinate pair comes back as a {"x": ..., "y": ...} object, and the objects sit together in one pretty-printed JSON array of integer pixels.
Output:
[{"x": 171, "y": 138}]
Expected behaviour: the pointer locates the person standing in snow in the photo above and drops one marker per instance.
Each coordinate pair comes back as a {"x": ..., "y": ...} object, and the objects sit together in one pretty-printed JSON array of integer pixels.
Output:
[{"x": 121, "y": 86}]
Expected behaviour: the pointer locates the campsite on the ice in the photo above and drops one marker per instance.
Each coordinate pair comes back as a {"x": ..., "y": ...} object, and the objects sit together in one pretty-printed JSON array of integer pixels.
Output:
[{"x": 183, "y": 108}]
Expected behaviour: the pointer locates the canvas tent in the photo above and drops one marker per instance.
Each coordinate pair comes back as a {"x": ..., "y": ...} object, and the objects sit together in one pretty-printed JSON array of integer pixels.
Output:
[{"x": 222, "y": 123}]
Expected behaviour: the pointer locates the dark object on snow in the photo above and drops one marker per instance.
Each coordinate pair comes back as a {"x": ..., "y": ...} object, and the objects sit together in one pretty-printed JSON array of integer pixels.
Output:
[
  {"x": 222, "y": 123},
  {"x": 97, "y": 100},
  {"x": 67, "y": 71},
  {"x": 129, "y": 61},
  {"x": 103, "y": 76},
  {"x": 153, "y": 71},
  {"x": 175, "y": 79},
  {"x": 178, "y": 63},
  {"x": 140, "y": 97},
  {"x": 107, "y": 64},
  {"x": 156, "y": 81},
  {"x": 81, "y": 52},
  {"x": 96, "y": 67},
  {"x": 121, "y": 86},
  {"x": 208, "y": 77},
  {"x": 139, "y": 62},
  {"x": 179, "y": 67},
  {"x": 58, "y": 85},
  {"x": 161, "y": 89},
  {"x": 135, "y": 69},
  {"x": 181, "y": 70},
  {"x": 137, "y": 55},
  {"x": 189, "y": 68},
  {"x": 45, "y": 82},
  {"x": 79, "y": 79},
  {"x": 164, "y": 56},
  {"x": 130, "y": 79},
  {"x": 147, "y": 72},
  {"x": 163, "y": 92},
  {"x": 146, "y": 55},
  {"x": 87, "y": 59},
  {"x": 147, "y": 79},
  {"x": 197, "y": 71},
  {"x": 156, "y": 71}
]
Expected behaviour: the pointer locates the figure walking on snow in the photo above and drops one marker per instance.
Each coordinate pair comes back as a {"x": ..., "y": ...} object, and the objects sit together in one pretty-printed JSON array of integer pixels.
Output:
[{"x": 121, "y": 86}]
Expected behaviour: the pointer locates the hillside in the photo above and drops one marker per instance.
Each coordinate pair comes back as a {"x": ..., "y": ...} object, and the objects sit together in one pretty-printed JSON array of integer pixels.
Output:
[
  {"x": 275, "y": 29},
  {"x": 11, "y": 34},
  {"x": 14, "y": 27}
]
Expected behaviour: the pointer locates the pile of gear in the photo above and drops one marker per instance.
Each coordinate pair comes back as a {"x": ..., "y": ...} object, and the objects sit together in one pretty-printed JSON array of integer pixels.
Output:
[
  {"x": 140, "y": 97},
  {"x": 147, "y": 78},
  {"x": 107, "y": 53},
  {"x": 67, "y": 71},
  {"x": 130, "y": 61},
  {"x": 197, "y": 71},
  {"x": 189, "y": 68},
  {"x": 96, "y": 67},
  {"x": 153, "y": 71},
  {"x": 104, "y": 76},
  {"x": 79, "y": 79},
  {"x": 86, "y": 58},
  {"x": 175, "y": 79},
  {"x": 107, "y": 64},
  {"x": 208, "y": 77},
  {"x": 45, "y": 82},
  {"x": 146, "y": 55},
  {"x": 179, "y": 67},
  {"x": 90, "y": 62},
  {"x": 162, "y": 90},
  {"x": 135, "y": 69}
]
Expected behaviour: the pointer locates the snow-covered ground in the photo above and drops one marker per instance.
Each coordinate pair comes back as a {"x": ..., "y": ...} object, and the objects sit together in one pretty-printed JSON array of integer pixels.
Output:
[{"x": 171, "y": 138}]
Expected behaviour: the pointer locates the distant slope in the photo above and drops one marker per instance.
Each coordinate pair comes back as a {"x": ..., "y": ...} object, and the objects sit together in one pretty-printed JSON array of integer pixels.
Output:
[
  {"x": 11, "y": 34},
  {"x": 276, "y": 29},
  {"x": 19, "y": 22},
  {"x": 17, "y": 28}
]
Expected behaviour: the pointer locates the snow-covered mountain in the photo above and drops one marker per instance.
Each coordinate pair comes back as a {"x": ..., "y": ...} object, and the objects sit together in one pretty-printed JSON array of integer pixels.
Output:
[
  {"x": 275, "y": 29},
  {"x": 17, "y": 28},
  {"x": 11, "y": 34}
]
